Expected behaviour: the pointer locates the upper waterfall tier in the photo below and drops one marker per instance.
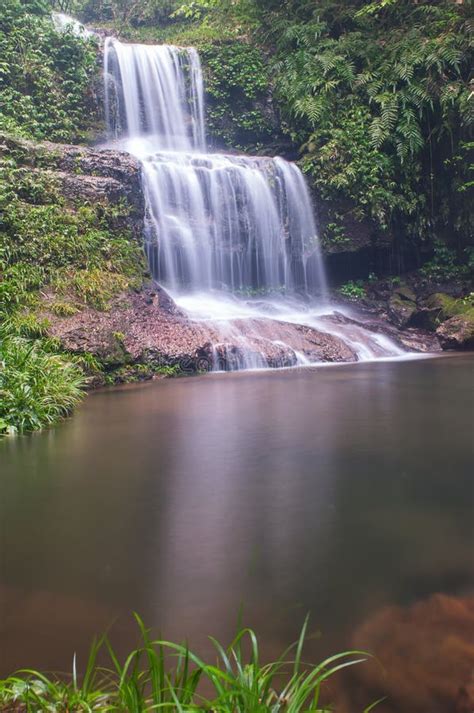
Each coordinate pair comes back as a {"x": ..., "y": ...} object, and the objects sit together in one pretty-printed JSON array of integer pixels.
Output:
[{"x": 154, "y": 90}]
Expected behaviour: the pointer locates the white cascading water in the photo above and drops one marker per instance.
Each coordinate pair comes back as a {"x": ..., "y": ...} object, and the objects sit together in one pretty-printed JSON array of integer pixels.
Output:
[
  {"x": 218, "y": 227},
  {"x": 213, "y": 220}
]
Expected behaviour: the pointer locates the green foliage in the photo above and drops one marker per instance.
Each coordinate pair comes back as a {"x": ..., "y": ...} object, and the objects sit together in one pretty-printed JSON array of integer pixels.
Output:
[
  {"x": 62, "y": 308},
  {"x": 376, "y": 95},
  {"x": 376, "y": 99},
  {"x": 353, "y": 290},
  {"x": 342, "y": 161},
  {"x": 444, "y": 265},
  {"x": 237, "y": 82},
  {"x": 45, "y": 75},
  {"x": 37, "y": 387},
  {"x": 121, "y": 13},
  {"x": 133, "y": 373},
  {"x": 163, "y": 675},
  {"x": 335, "y": 234}
]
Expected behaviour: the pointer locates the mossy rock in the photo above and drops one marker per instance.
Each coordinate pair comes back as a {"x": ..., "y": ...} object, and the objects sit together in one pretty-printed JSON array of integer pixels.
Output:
[
  {"x": 453, "y": 319},
  {"x": 439, "y": 307},
  {"x": 404, "y": 293}
]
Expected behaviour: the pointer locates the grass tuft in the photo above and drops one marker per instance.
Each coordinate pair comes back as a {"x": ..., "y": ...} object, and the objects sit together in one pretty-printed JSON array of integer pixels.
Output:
[
  {"x": 37, "y": 387},
  {"x": 162, "y": 675}
]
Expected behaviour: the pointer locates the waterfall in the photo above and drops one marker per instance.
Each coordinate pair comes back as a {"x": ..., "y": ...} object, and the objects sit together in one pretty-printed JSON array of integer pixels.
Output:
[
  {"x": 213, "y": 220},
  {"x": 154, "y": 91},
  {"x": 227, "y": 221},
  {"x": 221, "y": 229}
]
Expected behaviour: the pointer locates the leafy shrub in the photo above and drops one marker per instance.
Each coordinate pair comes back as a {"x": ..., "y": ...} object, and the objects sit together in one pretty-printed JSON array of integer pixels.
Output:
[
  {"x": 37, "y": 388},
  {"x": 353, "y": 290},
  {"x": 444, "y": 265},
  {"x": 379, "y": 103}
]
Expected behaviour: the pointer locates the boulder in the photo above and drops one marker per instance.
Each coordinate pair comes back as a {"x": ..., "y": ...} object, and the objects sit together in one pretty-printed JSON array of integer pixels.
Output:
[
  {"x": 402, "y": 306},
  {"x": 145, "y": 327},
  {"x": 457, "y": 333}
]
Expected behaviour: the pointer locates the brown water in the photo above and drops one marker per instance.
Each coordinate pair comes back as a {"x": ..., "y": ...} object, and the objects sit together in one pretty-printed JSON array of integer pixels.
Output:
[{"x": 335, "y": 490}]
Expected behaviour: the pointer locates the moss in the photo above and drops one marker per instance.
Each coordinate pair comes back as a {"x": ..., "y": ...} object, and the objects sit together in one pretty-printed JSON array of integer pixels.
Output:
[
  {"x": 404, "y": 293},
  {"x": 237, "y": 87},
  {"x": 133, "y": 373},
  {"x": 84, "y": 252},
  {"x": 444, "y": 306}
]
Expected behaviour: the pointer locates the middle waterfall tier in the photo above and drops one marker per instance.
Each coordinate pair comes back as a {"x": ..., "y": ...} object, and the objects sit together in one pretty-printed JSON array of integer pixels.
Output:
[{"x": 234, "y": 222}]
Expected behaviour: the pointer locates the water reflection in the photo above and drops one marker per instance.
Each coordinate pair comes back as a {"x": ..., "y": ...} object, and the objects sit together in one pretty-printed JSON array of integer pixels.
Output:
[{"x": 337, "y": 491}]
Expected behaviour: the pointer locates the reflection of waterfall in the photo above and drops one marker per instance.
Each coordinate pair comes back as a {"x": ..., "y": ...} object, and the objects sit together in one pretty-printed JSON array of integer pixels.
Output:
[{"x": 219, "y": 223}]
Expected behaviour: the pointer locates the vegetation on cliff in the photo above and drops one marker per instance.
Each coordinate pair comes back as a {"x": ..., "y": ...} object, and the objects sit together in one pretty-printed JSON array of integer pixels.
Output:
[
  {"x": 58, "y": 253},
  {"x": 46, "y": 76},
  {"x": 374, "y": 97}
]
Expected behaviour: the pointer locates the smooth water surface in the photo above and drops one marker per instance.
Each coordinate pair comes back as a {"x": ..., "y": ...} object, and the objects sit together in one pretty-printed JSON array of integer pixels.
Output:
[{"x": 335, "y": 490}]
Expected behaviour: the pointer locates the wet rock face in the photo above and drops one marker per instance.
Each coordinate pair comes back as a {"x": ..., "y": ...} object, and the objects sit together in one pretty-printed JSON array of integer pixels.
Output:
[
  {"x": 146, "y": 327},
  {"x": 87, "y": 175},
  {"x": 447, "y": 316},
  {"x": 451, "y": 318},
  {"x": 265, "y": 342},
  {"x": 410, "y": 339}
]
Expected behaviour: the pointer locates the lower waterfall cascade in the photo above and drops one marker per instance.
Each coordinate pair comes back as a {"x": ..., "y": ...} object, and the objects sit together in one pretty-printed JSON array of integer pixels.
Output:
[{"x": 231, "y": 237}]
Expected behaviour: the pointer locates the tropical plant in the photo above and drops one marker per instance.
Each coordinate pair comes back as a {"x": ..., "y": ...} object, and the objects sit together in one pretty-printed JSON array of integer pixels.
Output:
[
  {"x": 353, "y": 290},
  {"x": 377, "y": 101}
]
